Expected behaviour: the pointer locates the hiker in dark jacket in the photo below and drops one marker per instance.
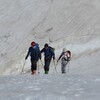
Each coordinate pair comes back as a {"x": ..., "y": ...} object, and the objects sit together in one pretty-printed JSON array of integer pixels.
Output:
[
  {"x": 35, "y": 55},
  {"x": 48, "y": 55}
]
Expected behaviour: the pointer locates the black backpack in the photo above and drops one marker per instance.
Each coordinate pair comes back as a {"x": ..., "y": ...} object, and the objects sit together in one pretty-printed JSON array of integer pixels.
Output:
[{"x": 53, "y": 49}]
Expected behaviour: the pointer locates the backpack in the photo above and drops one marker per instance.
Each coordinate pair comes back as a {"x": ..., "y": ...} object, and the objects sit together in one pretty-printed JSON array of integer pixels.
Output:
[
  {"x": 51, "y": 52},
  {"x": 66, "y": 56},
  {"x": 53, "y": 49},
  {"x": 36, "y": 46},
  {"x": 69, "y": 57}
]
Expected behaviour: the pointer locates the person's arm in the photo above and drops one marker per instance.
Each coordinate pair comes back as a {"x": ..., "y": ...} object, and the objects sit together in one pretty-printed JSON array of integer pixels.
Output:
[
  {"x": 52, "y": 52},
  {"x": 27, "y": 54},
  {"x": 60, "y": 57},
  {"x": 43, "y": 50}
]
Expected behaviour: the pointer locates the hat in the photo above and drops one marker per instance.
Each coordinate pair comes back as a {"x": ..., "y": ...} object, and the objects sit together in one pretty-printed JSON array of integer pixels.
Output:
[
  {"x": 33, "y": 43},
  {"x": 64, "y": 49},
  {"x": 46, "y": 45}
]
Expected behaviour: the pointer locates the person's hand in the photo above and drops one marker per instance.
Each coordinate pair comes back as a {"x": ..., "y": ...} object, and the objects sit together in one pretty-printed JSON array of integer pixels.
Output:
[{"x": 53, "y": 58}]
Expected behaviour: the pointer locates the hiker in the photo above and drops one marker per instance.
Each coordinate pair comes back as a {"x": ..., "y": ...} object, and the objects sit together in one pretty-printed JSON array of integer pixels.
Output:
[
  {"x": 65, "y": 58},
  {"x": 35, "y": 55},
  {"x": 48, "y": 55}
]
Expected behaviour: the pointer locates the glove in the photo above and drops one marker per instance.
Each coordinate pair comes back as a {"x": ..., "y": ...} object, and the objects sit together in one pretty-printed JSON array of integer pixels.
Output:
[{"x": 53, "y": 58}]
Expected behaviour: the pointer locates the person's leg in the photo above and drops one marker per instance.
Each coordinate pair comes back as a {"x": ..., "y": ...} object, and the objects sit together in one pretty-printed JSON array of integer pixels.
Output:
[
  {"x": 31, "y": 66},
  {"x": 34, "y": 67},
  {"x": 63, "y": 66},
  {"x": 46, "y": 66}
]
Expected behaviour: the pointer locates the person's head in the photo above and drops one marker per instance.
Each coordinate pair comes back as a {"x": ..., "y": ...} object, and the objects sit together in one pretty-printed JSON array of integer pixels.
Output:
[
  {"x": 64, "y": 49},
  {"x": 33, "y": 44},
  {"x": 46, "y": 46}
]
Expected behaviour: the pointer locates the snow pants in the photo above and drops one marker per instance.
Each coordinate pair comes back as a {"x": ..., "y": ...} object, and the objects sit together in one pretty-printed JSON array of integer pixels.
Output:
[
  {"x": 47, "y": 64},
  {"x": 33, "y": 65},
  {"x": 63, "y": 66}
]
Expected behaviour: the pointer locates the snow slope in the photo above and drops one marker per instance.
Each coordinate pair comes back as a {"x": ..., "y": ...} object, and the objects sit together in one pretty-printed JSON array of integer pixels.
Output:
[
  {"x": 74, "y": 24},
  {"x": 50, "y": 87}
]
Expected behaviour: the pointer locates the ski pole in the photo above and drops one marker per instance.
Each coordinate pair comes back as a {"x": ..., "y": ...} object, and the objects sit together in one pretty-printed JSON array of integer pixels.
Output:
[
  {"x": 41, "y": 63},
  {"x": 55, "y": 70},
  {"x": 68, "y": 66},
  {"x": 23, "y": 67},
  {"x": 38, "y": 67}
]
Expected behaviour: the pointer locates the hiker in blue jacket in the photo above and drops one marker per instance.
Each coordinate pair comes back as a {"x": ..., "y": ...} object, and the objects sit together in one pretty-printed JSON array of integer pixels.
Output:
[
  {"x": 35, "y": 55},
  {"x": 48, "y": 55}
]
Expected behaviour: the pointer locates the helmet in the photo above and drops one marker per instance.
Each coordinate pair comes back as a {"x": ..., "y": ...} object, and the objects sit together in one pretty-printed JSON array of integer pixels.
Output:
[
  {"x": 33, "y": 43},
  {"x": 46, "y": 45},
  {"x": 64, "y": 49}
]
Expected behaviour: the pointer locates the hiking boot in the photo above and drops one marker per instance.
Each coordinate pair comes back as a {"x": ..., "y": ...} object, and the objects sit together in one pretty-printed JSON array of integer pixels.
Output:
[
  {"x": 63, "y": 72},
  {"x": 46, "y": 72},
  {"x": 33, "y": 72}
]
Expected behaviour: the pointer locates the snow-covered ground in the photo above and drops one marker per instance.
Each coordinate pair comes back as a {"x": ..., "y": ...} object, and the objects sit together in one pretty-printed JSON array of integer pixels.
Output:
[
  {"x": 50, "y": 87},
  {"x": 74, "y": 24}
]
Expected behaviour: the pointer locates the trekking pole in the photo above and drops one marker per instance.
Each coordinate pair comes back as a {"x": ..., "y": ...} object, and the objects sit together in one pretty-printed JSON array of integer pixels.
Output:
[
  {"x": 68, "y": 67},
  {"x": 23, "y": 67},
  {"x": 41, "y": 63},
  {"x": 55, "y": 70},
  {"x": 38, "y": 67}
]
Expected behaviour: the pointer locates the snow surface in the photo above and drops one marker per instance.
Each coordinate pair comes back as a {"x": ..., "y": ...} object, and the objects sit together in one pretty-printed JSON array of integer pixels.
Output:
[
  {"x": 50, "y": 87},
  {"x": 74, "y": 24}
]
